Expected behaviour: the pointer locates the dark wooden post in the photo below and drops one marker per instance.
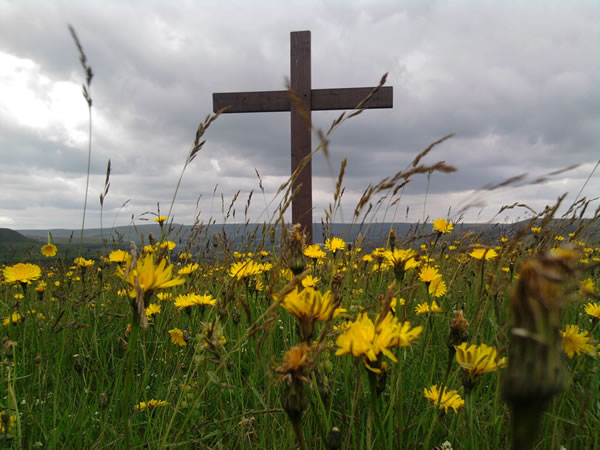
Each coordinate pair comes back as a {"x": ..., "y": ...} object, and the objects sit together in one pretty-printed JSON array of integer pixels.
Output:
[
  {"x": 312, "y": 100},
  {"x": 300, "y": 82}
]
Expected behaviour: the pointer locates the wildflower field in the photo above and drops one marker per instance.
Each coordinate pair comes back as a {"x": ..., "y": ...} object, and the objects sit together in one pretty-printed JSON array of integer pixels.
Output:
[
  {"x": 437, "y": 338},
  {"x": 320, "y": 346}
]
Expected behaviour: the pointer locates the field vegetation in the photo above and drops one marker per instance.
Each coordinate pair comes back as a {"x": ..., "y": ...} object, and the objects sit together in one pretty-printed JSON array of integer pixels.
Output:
[{"x": 438, "y": 338}]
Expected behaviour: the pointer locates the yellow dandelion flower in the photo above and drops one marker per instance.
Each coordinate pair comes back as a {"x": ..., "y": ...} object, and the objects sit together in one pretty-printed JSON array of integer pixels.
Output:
[
  {"x": 164, "y": 296},
  {"x": 314, "y": 251},
  {"x": 21, "y": 273},
  {"x": 151, "y": 404},
  {"x": 395, "y": 302},
  {"x": 587, "y": 287},
  {"x": 437, "y": 288},
  {"x": 310, "y": 303},
  {"x": 12, "y": 319},
  {"x": 185, "y": 256},
  {"x": 161, "y": 219},
  {"x": 170, "y": 245},
  {"x": 442, "y": 226},
  {"x": 310, "y": 282},
  {"x": 422, "y": 308},
  {"x": 400, "y": 258},
  {"x": 49, "y": 250},
  {"x": 82, "y": 262},
  {"x": 483, "y": 253},
  {"x": 435, "y": 308},
  {"x": 149, "y": 276},
  {"x": 7, "y": 422},
  {"x": 41, "y": 287},
  {"x": 575, "y": 341},
  {"x": 536, "y": 230},
  {"x": 334, "y": 244},
  {"x": 428, "y": 274},
  {"x": 593, "y": 309},
  {"x": 244, "y": 269},
  {"x": 152, "y": 309},
  {"x": 177, "y": 337},
  {"x": 119, "y": 256},
  {"x": 366, "y": 339},
  {"x": 187, "y": 300},
  {"x": 478, "y": 359},
  {"x": 149, "y": 248},
  {"x": 444, "y": 399},
  {"x": 187, "y": 269}
]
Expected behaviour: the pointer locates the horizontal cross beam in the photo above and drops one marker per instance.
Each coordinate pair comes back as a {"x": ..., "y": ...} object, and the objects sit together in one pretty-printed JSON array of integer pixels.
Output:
[{"x": 320, "y": 100}]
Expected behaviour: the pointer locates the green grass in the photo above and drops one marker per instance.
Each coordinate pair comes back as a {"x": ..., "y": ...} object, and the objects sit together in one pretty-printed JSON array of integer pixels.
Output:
[{"x": 65, "y": 373}]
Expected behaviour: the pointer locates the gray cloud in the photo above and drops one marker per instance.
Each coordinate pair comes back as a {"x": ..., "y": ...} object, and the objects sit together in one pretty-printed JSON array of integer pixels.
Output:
[{"x": 516, "y": 83}]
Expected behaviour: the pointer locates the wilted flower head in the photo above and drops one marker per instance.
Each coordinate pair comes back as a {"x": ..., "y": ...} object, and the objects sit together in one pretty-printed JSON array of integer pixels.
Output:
[{"x": 295, "y": 360}]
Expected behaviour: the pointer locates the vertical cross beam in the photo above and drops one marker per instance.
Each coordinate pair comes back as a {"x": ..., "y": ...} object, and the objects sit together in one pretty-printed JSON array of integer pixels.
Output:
[
  {"x": 300, "y": 82},
  {"x": 317, "y": 99}
]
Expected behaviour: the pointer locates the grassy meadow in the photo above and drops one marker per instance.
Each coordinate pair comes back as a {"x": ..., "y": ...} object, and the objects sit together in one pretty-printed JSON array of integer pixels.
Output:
[
  {"x": 262, "y": 349},
  {"x": 439, "y": 338}
]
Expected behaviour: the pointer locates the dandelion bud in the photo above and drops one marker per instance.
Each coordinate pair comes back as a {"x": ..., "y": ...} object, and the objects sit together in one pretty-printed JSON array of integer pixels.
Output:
[
  {"x": 102, "y": 400},
  {"x": 334, "y": 439},
  {"x": 458, "y": 334},
  {"x": 293, "y": 400},
  {"x": 294, "y": 371},
  {"x": 458, "y": 330},
  {"x": 295, "y": 248},
  {"x": 536, "y": 371},
  {"x": 391, "y": 242},
  {"x": 77, "y": 362}
]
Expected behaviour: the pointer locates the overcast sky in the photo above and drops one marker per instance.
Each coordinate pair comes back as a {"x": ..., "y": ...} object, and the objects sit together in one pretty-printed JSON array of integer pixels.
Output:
[{"x": 516, "y": 81}]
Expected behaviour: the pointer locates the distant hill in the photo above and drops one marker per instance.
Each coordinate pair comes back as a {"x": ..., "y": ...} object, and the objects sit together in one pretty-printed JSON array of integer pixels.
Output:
[
  {"x": 8, "y": 236},
  {"x": 249, "y": 236}
]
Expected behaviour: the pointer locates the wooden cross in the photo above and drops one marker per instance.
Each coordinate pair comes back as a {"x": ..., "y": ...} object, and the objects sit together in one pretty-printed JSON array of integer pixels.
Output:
[{"x": 312, "y": 99}]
